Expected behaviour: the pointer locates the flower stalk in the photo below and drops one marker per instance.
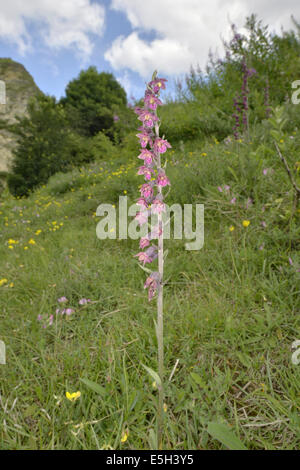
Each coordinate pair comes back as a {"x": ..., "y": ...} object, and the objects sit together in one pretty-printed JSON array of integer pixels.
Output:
[
  {"x": 152, "y": 204},
  {"x": 241, "y": 103},
  {"x": 160, "y": 322}
]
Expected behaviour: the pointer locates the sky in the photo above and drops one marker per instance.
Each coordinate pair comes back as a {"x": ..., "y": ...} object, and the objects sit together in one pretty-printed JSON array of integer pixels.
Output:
[{"x": 55, "y": 39}]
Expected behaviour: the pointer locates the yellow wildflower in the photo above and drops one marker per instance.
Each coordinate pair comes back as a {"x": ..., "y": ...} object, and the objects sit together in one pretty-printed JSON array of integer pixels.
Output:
[
  {"x": 31, "y": 241},
  {"x": 3, "y": 281},
  {"x": 246, "y": 223},
  {"x": 73, "y": 396},
  {"x": 124, "y": 437},
  {"x": 263, "y": 387},
  {"x": 231, "y": 228}
]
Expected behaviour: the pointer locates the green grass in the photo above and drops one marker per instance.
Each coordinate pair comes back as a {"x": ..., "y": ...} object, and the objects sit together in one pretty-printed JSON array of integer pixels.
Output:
[{"x": 231, "y": 310}]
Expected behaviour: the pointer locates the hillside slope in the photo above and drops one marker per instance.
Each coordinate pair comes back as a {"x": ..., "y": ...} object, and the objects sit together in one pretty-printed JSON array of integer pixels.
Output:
[
  {"x": 20, "y": 87},
  {"x": 231, "y": 309}
]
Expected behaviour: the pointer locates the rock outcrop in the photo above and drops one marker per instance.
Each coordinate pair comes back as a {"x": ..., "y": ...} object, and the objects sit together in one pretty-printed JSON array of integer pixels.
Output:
[{"x": 19, "y": 88}]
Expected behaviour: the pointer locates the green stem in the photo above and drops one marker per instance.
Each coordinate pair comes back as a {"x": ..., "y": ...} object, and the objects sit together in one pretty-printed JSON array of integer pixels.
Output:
[
  {"x": 233, "y": 261},
  {"x": 160, "y": 324},
  {"x": 160, "y": 336}
]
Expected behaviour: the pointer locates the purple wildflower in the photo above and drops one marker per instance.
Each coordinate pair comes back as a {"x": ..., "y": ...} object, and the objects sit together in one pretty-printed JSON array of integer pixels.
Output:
[
  {"x": 144, "y": 242},
  {"x": 162, "y": 179},
  {"x": 142, "y": 217},
  {"x": 161, "y": 145},
  {"x": 147, "y": 156},
  {"x": 151, "y": 101},
  {"x": 152, "y": 284},
  {"x": 157, "y": 207},
  {"x": 146, "y": 190},
  {"x": 69, "y": 311},
  {"x": 141, "y": 202},
  {"x": 144, "y": 139},
  {"x": 148, "y": 118},
  {"x": 158, "y": 84},
  {"x": 152, "y": 252},
  {"x": 146, "y": 171},
  {"x": 151, "y": 200},
  {"x": 143, "y": 257}
]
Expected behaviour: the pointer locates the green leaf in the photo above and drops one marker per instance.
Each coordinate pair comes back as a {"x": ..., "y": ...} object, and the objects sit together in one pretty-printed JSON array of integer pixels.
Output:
[
  {"x": 94, "y": 386},
  {"x": 275, "y": 134},
  {"x": 145, "y": 269},
  {"x": 198, "y": 380},
  {"x": 152, "y": 439},
  {"x": 153, "y": 374},
  {"x": 245, "y": 360},
  {"x": 233, "y": 173},
  {"x": 223, "y": 434},
  {"x": 133, "y": 399}
]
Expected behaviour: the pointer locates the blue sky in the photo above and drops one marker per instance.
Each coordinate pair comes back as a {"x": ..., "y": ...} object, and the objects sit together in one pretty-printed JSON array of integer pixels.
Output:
[
  {"x": 55, "y": 39},
  {"x": 52, "y": 68}
]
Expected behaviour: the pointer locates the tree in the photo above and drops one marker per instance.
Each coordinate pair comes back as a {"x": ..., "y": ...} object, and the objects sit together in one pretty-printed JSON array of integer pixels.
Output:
[
  {"x": 41, "y": 149},
  {"x": 91, "y": 101}
]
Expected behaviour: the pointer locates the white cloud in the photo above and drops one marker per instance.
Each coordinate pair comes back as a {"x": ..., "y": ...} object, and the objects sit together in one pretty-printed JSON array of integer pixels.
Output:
[
  {"x": 167, "y": 55},
  {"x": 185, "y": 30},
  {"x": 61, "y": 23}
]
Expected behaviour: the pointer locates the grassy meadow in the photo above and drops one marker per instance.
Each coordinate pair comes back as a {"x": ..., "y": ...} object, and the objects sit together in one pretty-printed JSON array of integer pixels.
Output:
[{"x": 231, "y": 309}]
